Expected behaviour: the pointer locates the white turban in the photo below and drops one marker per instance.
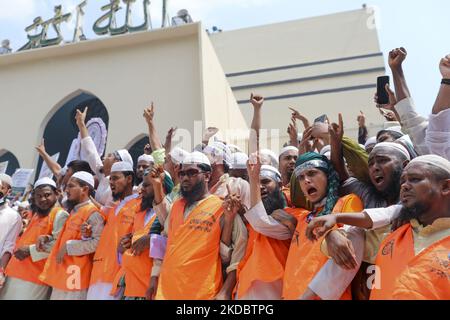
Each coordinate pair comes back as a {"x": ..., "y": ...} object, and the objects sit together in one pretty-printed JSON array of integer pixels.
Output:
[
  {"x": 287, "y": 149},
  {"x": 121, "y": 166},
  {"x": 270, "y": 172},
  {"x": 432, "y": 160},
  {"x": 218, "y": 152},
  {"x": 146, "y": 158},
  {"x": 196, "y": 158},
  {"x": 392, "y": 146},
  {"x": 45, "y": 181},
  {"x": 6, "y": 179},
  {"x": 239, "y": 160},
  {"x": 125, "y": 156},
  {"x": 85, "y": 177},
  {"x": 269, "y": 157},
  {"x": 371, "y": 140},
  {"x": 177, "y": 154}
]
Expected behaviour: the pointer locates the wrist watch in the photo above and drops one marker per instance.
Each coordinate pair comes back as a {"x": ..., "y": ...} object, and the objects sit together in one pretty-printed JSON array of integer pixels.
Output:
[{"x": 445, "y": 81}]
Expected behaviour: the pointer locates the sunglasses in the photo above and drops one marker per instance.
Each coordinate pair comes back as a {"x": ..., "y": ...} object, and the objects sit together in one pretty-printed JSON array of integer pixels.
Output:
[{"x": 189, "y": 173}]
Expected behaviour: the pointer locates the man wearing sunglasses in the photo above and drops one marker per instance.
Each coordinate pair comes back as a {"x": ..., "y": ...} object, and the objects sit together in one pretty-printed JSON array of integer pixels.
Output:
[{"x": 192, "y": 265}]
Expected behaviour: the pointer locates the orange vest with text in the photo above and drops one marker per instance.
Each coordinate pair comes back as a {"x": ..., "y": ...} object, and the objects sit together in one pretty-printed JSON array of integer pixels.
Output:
[
  {"x": 192, "y": 269},
  {"x": 62, "y": 276},
  {"x": 305, "y": 258},
  {"x": 105, "y": 264},
  {"x": 265, "y": 259},
  {"x": 403, "y": 275},
  {"x": 26, "y": 269},
  {"x": 136, "y": 269}
]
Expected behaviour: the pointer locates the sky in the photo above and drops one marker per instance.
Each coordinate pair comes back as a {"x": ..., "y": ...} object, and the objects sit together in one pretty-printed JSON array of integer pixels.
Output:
[{"x": 421, "y": 27}]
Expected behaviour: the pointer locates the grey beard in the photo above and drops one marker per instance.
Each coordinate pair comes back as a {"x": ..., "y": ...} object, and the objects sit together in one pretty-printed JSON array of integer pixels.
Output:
[{"x": 273, "y": 201}]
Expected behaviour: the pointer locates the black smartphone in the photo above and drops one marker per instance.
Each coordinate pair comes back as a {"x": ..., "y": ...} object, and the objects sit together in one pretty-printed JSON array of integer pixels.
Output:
[
  {"x": 383, "y": 97},
  {"x": 322, "y": 119}
]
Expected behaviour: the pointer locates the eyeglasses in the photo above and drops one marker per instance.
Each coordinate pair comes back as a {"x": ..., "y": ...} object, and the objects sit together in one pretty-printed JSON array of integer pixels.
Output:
[{"x": 189, "y": 173}]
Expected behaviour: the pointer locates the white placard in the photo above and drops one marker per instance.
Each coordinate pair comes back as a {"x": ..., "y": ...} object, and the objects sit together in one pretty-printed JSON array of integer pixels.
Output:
[
  {"x": 3, "y": 166},
  {"x": 45, "y": 170},
  {"x": 22, "y": 177}
]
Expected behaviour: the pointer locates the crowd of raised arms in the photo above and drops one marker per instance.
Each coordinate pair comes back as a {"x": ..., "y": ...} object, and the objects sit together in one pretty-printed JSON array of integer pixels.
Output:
[{"x": 326, "y": 218}]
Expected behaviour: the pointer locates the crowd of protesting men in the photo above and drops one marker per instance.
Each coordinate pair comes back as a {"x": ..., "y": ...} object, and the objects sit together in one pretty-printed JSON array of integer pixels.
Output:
[{"x": 326, "y": 218}]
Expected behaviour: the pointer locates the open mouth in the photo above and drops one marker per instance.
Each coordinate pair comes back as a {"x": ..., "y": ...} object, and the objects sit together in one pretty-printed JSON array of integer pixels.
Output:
[
  {"x": 311, "y": 191},
  {"x": 379, "y": 179}
]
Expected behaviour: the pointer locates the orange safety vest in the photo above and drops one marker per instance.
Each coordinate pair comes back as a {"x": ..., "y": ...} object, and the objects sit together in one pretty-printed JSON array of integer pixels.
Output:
[
  {"x": 136, "y": 269},
  {"x": 305, "y": 258},
  {"x": 26, "y": 269},
  {"x": 403, "y": 275},
  {"x": 105, "y": 264},
  {"x": 192, "y": 269},
  {"x": 265, "y": 259},
  {"x": 74, "y": 272}
]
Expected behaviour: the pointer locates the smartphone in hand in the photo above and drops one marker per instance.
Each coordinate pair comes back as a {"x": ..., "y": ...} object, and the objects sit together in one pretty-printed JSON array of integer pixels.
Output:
[{"x": 382, "y": 94}]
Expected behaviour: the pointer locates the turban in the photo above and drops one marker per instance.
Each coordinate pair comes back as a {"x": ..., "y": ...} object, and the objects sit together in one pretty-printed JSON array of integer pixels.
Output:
[{"x": 392, "y": 146}]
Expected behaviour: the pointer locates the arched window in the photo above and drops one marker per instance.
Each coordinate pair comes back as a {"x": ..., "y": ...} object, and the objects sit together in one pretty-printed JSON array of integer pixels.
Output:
[
  {"x": 61, "y": 128},
  {"x": 13, "y": 163}
]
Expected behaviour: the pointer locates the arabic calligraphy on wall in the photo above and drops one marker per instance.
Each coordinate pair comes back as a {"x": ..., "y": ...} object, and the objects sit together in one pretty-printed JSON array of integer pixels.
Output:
[{"x": 37, "y": 32}]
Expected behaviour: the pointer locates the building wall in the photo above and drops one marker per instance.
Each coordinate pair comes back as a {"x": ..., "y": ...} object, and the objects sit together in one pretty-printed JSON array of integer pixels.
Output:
[
  {"x": 125, "y": 72},
  {"x": 326, "y": 64}
]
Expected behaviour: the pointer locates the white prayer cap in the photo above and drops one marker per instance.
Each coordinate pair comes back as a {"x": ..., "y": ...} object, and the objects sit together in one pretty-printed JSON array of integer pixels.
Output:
[
  {"x": 432, "y": 160},
  {"x": 238, "y": 160},
  {"x": 177, "y": 154},
  {"x": 44, "y": 181},
  {"x": 325, "y": 149},
  {"x": 85, "y": 177},
  {"x": 397, "y": 129},
  {"x": 371, "y": 140},
  {"x": 218, "y": 152},
  {"x": 146, "y": 158},
  {"x": 270, "y": 172},
  {"x": 196, "y": 158},
  {"x": 269, "y": 157},
  {"x": 125, "y": 156},
  {"x": 6, "y": 179},
  {"x": 121, "y": 166},
  {"x": 392, "y": 146},
  {"x": 287, "y": 149},
  {"x": 233, "y": 148}
]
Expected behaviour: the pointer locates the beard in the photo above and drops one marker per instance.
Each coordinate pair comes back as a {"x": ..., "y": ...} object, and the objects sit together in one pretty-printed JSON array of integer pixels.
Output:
[
  {"x": 197, "y": 191},
  {"x": 147, "y": 202},
  {"x": 43, "y": 212},
  {"x": 71, "y": 204},
  {"x": 392, "y": 191},
  {"x": 407, "y": 214},
  {"x": 118, "y": 196},
  {"x": 138, "y": 181},
  {"x": 273, "y": 201}
]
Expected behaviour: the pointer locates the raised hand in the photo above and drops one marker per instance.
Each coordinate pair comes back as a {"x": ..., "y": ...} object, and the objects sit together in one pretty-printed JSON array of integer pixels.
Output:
[
  {"x": 157, "y": 175},
  {"x": 336, "y": 130},
  {"x": 444, "y": 67},
  {"x": 209, "y": 132},
  {"x": 254, "y": 167},
  {"x": 388, "y": 115},
  {"x": 231, "y": 205},
  {"x": 396, "y": 58},
  {"x": 293, "y": 132},
  {"x": 149, "y": 113},
  {"x": 148, "y": 149},
  {"x": 169, "y": 137},
  {"x": 306, "y": 144},
  {"x": 392, "y": 99},
  {"x": 80, "y": 117},
  {"x": 256, "y": 100},
  {"x": 41, "y": 148}
]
